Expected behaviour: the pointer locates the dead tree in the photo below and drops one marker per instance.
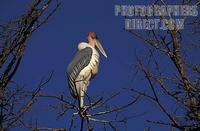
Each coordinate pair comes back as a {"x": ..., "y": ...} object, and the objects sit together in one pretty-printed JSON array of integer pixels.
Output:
[
  {"x": 100, "y": 112},
  {"x": 171, "y": 72},
  {"x": 14, "y": 36}
]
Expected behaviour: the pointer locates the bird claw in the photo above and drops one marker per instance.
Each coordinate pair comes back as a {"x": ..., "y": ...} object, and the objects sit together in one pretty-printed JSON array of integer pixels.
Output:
[{"x": 83, "y": 111}]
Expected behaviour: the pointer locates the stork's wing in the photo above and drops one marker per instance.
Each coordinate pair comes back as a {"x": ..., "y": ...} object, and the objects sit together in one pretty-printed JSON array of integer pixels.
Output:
[{"x": 80, "y": 61}]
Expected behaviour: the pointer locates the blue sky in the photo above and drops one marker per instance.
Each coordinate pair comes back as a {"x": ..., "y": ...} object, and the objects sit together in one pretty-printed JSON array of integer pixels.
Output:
[{"x": 53, "y": 46}]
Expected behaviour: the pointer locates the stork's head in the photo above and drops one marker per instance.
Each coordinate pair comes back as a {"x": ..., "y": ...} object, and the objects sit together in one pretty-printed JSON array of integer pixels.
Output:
[{"x": 94, "y": 41}]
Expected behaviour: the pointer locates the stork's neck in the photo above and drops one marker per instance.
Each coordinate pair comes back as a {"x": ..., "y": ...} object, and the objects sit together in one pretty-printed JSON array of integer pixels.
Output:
[
  {"x": 83, "y": 45},
  {"x": 92, "y": 42}
]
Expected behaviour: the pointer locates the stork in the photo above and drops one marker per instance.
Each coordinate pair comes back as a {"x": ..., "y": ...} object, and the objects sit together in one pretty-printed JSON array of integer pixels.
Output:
[{"x": 84, "y": 67}]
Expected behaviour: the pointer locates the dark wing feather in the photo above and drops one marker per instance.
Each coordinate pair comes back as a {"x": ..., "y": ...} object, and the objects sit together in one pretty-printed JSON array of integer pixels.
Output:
[{"x": 80, "y": 61}]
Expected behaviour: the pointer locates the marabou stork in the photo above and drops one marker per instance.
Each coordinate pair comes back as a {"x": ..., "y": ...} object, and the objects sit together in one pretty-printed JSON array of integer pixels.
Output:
[{"x": 84, "y": 67}]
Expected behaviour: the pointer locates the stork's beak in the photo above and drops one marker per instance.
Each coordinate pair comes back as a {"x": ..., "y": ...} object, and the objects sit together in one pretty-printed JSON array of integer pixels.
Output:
[{"x": 99, "y": 46}]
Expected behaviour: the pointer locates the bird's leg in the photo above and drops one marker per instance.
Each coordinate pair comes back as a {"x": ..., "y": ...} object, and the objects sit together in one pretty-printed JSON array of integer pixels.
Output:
[
  {"x": 82, "y": 107},
  {"x": 81, "y": 93}
]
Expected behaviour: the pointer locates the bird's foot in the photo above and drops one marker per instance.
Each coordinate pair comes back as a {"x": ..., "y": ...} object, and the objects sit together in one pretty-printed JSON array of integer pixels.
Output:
[{"x": 83, "y": 111}]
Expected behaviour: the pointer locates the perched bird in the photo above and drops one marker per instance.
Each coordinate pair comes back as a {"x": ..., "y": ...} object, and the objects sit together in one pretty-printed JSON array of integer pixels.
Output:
[{"x": 84, "y": 67}]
